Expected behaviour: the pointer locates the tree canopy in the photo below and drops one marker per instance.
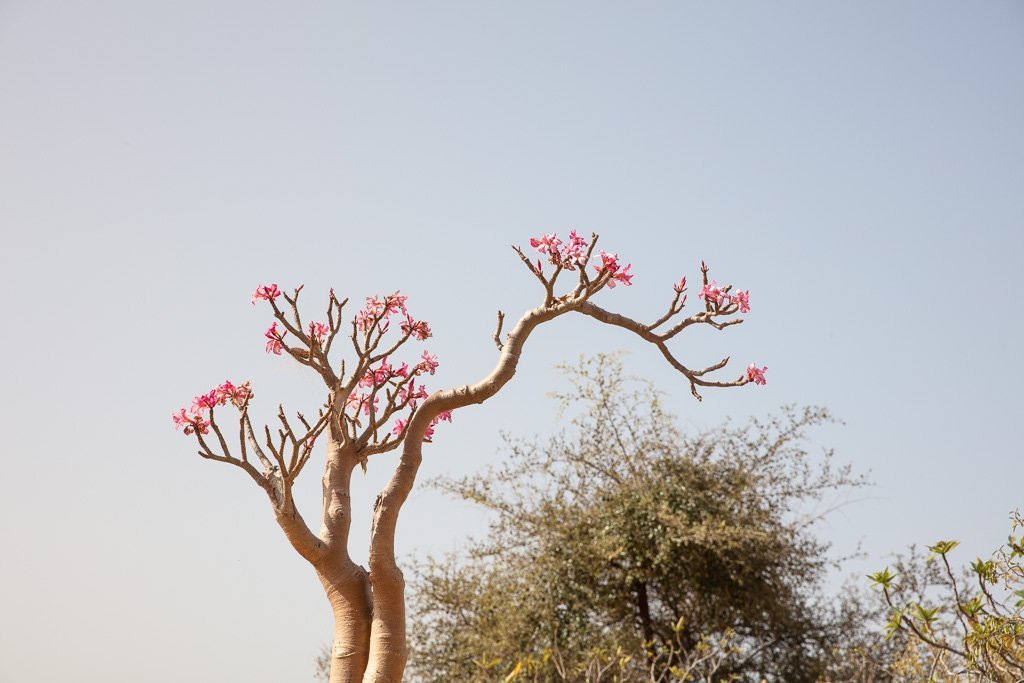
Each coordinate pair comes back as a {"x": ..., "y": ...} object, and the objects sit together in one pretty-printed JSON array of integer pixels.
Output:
[{"x": 625, "y": 549}]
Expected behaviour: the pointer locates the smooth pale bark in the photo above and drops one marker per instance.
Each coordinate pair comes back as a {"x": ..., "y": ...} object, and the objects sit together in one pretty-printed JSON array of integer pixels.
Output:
[
  {"x": 348, "y": 590},
  {"x": 388, "y": 652}
]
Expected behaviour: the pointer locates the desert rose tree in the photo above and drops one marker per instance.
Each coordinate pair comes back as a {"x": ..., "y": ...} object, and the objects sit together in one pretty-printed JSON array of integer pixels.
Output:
[{"x": 376, "y": 403}]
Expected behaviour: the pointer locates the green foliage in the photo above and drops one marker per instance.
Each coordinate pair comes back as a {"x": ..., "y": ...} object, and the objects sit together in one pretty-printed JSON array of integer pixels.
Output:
[
  {"x": 957, "y": 628},
  {"x": 625, "y": 550}
]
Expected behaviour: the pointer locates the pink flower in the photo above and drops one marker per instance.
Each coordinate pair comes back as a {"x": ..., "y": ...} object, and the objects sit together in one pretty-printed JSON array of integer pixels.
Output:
[
  {"x": 380, "y": 310},
  {"x": 546, "y": 244},
  {"x": 229, "y": 392},
  {"x": 428, "y": 364},
  {"x": 268, "y": 292},
  {"x": 226, "y": 390},
  {"x": 609, "y": 262},
  {"x": 411, "y": 394},
  {"x": 756, "y": 375},
  {"x": 181, "y": 419},
  {"x": 574, "y": 253},
  {"x": 383, "y": 373},
  {"x": 319, "y": 331},
  {"x": 712, "y": 293},
  {"x": 366, "y": 404},
  {"x": 395, "y": 303},
  {"x": 191, "y": 424},
  {"x": 274, "y": 337},
  {"x": 742, "y": 298},
  {"x": 399, "y": 427},
  {"x": 418, "y": 329},
  {"x": 198, "y": 424},
  {"x": 361, "y": 402},
  {"x": 680, "y": 286},
  {"x": 445, "y": 415},
  {"x": 200, "y": 404},
  {"x": 622, "y": 276}
]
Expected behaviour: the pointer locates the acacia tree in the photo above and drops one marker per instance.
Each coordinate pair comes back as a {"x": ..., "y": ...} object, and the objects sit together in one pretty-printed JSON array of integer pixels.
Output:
[{"x": 374, "y": 406}]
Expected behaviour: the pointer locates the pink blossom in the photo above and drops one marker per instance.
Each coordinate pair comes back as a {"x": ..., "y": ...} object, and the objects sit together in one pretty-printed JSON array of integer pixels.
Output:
[
  {"x": 756, "y": 375},
  {"x": 411, "y": 394},
  {"x": 191, "y": 424},
  {"x": 399, "y": 427},
  {"x": 375, "y": 309},
  {"x": 181, "y": 418},
  {"x": 609, "y": 262},
  {"x": 229, "y": 392},
  {"x": 367, "y": 404},
  {"x": 622, "y": 276},
  {"x": 574, "y": 253},
  {"x": 680, "y": 286},
  {"x": 380, "y": 310},
  {"x": 226, "y": 390},
  {"x": 383, "y": 373},
  {"x": 361, "y": 402},
  {"x": 546, "y": 244},
  {"x": 742, "y": 298},
  {"x": 445, "y": 415},
  {"x": 395, "y": 303},
  {"x": 418, "y": 329},
  {"x": 198, "y": 424},
  {"x": 712, "y": 293},
  {"x": 428, "y": 364},
  {"x": 274, "y": 337},
  {"x": 365, "y": 318},
  {"x": 318, "y": 331},
  {"x": 268, "y": 292},
  {"x": 200, "y": 404}
]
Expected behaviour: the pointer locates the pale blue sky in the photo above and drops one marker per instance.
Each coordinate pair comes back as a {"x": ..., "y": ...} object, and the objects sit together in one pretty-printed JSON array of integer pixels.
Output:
[{"x": 858, "y": 166}]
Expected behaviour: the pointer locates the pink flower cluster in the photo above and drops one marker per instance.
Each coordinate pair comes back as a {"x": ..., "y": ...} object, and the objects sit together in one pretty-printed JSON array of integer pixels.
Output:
[
  {"x": 755, "y": 374},
  {"x": 721, "y": 297},
  {"x": 318, "y": 332},
  {"x": 378, "y": 312},
  {"x": 573, "y": 253},
  {"x": 194, "y": 420},
  {"x": 268, "y": 292},
  {"x": 428, "y": 435},
  {"x": 274, "y": 339},
  {"x": 569, "y": 255},
  {"x": 610, "y": 264},
  {"x": 407, "y": 395}
]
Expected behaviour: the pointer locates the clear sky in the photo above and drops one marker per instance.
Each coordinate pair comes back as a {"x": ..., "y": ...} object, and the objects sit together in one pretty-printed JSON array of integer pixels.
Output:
[{"x": 858, "y": 166}]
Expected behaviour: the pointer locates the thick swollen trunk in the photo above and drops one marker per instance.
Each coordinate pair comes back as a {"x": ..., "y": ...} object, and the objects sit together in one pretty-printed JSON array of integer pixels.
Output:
[
  {"x": 348, "y": 589},
  {"x": 388, "y": 652}
]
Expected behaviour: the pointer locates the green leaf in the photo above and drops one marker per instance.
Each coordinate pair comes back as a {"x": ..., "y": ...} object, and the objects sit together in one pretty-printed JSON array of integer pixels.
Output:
[
  {"x": 943, "y": 547},
  {"x": 883, "y": 578}
]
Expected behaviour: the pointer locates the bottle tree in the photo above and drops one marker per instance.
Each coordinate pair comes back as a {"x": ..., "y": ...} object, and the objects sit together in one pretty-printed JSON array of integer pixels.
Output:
[{"x": 376, "y": 404}]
